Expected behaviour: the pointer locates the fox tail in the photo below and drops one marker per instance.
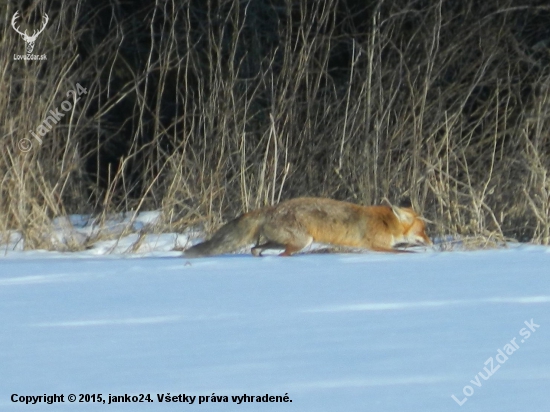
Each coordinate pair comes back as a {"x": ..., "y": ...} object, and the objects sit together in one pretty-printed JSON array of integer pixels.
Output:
[{"x": 235, "y": 234}]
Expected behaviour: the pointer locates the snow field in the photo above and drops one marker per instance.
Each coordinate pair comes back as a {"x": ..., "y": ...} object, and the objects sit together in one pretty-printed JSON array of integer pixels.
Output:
[{"x": 353, "y": 332}]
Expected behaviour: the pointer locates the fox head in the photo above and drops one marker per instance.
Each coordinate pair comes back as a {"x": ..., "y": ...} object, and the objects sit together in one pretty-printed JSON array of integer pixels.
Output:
[{"x": 414, "y": 227}]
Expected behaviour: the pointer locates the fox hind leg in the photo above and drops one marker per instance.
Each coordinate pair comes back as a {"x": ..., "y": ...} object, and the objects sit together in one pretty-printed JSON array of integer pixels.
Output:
[
  {"x": 259, "y": 249},
  {"x": 279, "y": 235},
  {"x": 289, "y": 249},
  {"x": 294, "y": 247}
]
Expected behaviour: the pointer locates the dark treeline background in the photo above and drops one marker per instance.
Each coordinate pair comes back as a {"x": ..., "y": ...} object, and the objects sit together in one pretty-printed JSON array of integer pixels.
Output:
[{"x": 205, "y": 109}]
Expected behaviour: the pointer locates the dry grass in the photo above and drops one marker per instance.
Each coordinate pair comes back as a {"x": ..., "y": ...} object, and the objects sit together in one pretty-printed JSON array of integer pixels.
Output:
[{"x": 205, "y": 110}]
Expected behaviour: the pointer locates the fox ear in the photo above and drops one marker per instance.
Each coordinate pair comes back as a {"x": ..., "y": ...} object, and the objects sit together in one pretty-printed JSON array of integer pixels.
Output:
[{"x": 404, "y": 216}]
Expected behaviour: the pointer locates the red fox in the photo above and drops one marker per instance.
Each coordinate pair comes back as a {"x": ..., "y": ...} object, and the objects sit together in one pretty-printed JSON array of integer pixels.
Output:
[{"x": 296, "y": 223}]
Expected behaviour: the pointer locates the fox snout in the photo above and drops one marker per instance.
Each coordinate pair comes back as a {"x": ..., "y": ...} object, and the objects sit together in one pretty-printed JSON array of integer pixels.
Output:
[
  {"x": 414, "y": 240},
  {"x": 415, "y": 228},
  {"x": 424, "y": 240},
  {"x": 419, "y": 237},
  {"x": 427, "y": 240}
]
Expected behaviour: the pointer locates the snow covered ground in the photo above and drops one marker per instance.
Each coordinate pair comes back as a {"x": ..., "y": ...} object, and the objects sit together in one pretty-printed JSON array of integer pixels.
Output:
[{"x": 333, "y": 332}]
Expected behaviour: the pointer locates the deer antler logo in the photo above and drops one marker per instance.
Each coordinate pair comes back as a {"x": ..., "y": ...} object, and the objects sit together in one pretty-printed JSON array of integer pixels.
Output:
[{"x": 29, "y": 39}]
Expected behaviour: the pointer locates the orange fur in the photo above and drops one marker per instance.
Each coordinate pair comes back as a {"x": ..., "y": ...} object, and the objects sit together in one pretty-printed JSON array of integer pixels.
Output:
[{"x": 296, "y": 223}]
